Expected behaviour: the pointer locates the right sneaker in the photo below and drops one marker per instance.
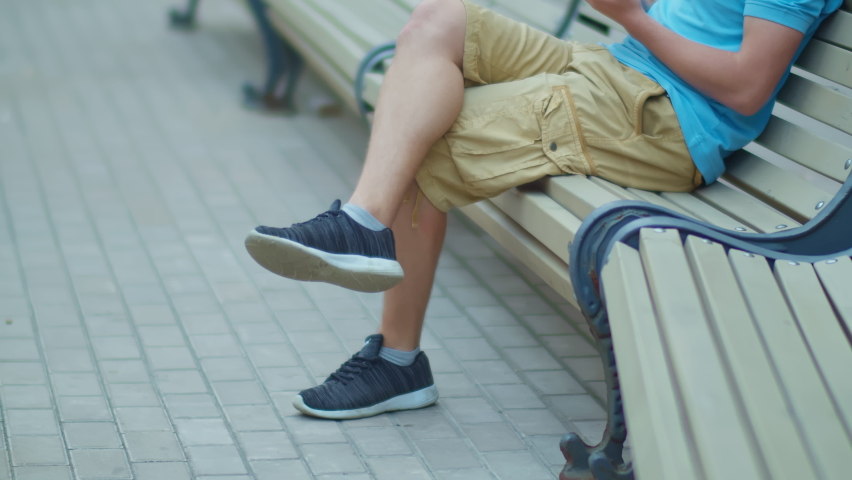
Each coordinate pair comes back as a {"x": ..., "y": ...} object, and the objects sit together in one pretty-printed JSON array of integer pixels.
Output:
[
  {"x": 368, "y": 385},
  {"x": 331, "y": 248}
]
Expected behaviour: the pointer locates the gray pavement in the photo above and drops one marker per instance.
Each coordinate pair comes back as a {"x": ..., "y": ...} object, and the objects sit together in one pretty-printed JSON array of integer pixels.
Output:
[{"x": 137, "y": 337}]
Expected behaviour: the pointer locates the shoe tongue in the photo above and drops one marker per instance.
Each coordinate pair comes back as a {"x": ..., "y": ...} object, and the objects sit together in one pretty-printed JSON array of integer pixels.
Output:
[
  {"x": 335, "y": 205},
  {"x": 372, "y": 346}
]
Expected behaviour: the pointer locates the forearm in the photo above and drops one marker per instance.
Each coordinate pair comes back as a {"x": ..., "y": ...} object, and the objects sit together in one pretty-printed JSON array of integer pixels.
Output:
[{"x": 719, "y": 74}]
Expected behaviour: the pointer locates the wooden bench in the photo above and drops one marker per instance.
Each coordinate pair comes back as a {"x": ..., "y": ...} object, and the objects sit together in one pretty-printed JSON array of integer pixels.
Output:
[{"x": 774, "y": 185}]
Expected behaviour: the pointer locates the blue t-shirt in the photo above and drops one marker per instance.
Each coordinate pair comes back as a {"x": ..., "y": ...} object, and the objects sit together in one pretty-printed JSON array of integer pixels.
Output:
[{"x": 712, "y": 130}]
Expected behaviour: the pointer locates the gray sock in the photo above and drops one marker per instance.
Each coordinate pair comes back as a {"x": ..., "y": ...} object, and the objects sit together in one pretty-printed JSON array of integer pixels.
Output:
[
  {"x": 398, "y": 357},
  {"x": 363, "y": 217}
]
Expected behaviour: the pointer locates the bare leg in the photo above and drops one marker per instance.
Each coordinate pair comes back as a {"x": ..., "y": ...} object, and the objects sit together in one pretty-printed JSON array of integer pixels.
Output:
[
  {"x": 418, "y": 249},
  {"x": 420, "y": 98}
]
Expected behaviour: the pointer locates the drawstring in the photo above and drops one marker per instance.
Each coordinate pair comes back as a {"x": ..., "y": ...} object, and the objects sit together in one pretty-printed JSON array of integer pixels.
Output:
[{"x": 414, "y": 212}]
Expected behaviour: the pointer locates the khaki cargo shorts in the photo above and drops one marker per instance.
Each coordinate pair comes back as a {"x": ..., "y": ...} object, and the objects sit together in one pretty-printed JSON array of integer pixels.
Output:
[{"x": 537, "y": 106}]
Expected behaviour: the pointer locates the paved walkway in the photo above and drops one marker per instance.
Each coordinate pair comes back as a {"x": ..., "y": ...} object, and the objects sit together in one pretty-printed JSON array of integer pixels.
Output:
[{"x": 137, "y": 337}]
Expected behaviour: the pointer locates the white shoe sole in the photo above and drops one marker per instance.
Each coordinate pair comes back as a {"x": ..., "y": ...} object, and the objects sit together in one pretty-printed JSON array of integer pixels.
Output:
[
  {"x": 294, "y": 260},
  {"x": 407, "y": 401}
]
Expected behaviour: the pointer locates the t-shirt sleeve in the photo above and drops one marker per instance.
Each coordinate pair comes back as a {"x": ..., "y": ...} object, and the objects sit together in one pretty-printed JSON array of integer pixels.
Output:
[{"x": 796, "y": 14}]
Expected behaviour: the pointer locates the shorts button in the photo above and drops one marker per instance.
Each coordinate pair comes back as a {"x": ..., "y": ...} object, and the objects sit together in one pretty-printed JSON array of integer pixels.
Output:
[{"x": 553, "y": 147}]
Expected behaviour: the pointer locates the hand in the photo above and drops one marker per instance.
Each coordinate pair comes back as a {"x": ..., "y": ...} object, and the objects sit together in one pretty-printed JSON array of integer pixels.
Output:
[{"x": 622, "y": 11}]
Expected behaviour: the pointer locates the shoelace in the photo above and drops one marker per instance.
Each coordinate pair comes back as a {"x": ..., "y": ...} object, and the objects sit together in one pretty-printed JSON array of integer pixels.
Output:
[
  {"x": 353, "y": 367},
  {"x": 328, "y": 214}
]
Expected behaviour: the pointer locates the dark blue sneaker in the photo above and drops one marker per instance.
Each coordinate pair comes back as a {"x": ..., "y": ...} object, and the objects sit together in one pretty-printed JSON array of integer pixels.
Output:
[
  {"x": 368, "y": 385},
  {"x": 331, "y": 248}
]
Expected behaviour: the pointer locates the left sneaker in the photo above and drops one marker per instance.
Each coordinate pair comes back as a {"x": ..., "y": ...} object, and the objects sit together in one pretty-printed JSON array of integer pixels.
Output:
[
  {"x": 331, "y": 248},
  {"x": 368, "y": 385}
]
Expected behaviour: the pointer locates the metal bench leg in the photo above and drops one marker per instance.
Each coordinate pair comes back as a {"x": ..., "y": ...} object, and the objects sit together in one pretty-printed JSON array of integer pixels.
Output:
[
  {"x": 284, "y": 65},
  {"x": 602, "y": 461},
  {"x": 184, "y": 18}
]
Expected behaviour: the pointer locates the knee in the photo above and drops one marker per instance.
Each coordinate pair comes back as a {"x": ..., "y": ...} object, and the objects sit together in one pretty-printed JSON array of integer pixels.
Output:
[{"x": 435, "y": 23}]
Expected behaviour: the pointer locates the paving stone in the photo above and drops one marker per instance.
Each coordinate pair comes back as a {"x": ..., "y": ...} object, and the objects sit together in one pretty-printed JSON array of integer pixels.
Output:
[
  {"x": 82, "y": 409},
  {"x": 224, "y": 345},
  {"x": 453, "y": 327},
  {"x": 587, "y": 368},
  {"x": 492, "y": 372},
  {"x": 315, "y": 342},
  {"x": 76, "y": 384},
  {"x": 285, "y": 379},
  {"x": 37, "y": 450},
  {"x": 380, "y": 441},
  {"x": 491, "y": 437},
  {"x": 577, "y": 407},
  {"x": 442, "y": 362},
  {"x": 536, "y": 422},
  {"x": 170, "y": 358},
  {"x": 162, "y": 471},
  {"x": 142, "y": 419},
  {"x": 549, "y": 324},
  {"x": 31, "y": 422},
  {"x": 394, "y": 468},
  {"x": 471, "y": 349},
  {"x": 492, "y": 316},
  {"x": 100, "y": 463},
  {"x": 252, "y": 418},
  {"x": 555, "y": 382},
  {"x": 216, "y": 460},
  {"x": 21, "y": 373},
  {"x": 124, "y": 371},
  {"x": 301, "y": 320},
  {"x": 153, "y": 447},
  {"x": 473, "y": 295},
  {"x": 204, "y": 323},
  {"x": 427, "y": 423},
  {"x": 466, "y": 474},
  {"x": 548, "y": 447},
  {"x": 69, "y": 360},
  {"x": 273, "y": 355},
  {"x": 239, "y": 393},
  {"x": 43, "y": 473},
  {"x": 455, "y": 385},
  {"x": 91, "y": 435},
  {"x": 532, "y": 358},
  {"x": 529, "y": 304},
  {"x": 161, "y": 336},
  {"x": 115, "y": 348},
  {"x": 132, "y": 395},
  {"x": 26, "y": 396},
  {"x": 228, "y": 368},
  {"x": 313, "y": 430},
  {"x": 191, "y": 406},
  {"x": 332, "y": 458},
  {"x": 180, "y": 381},
  {"x": 259, "y": 333},
  {"x": 323, "y": 364},
  {"x": 152, "y": 314},
  {"x": 267, "y": 445},
  {"x": 447, "y": 453},
  {"x": 591, "y": 431},
  {"x": 471, "y": 410},
  {"x": 273, "y": 469},
  {"x": 510, "y": 336},
  {"x": 108, "y": 326},
  {"x": 517, "y": 466},
  {"x": 63, "y": 337},
  {"x": 18, "y": 349},
  {"x": 570, "y": 346},
  {"x": 515, "y": 396}
]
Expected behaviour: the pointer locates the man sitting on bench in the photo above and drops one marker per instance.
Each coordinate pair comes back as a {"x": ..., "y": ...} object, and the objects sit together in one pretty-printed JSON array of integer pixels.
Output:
[{"x": 695, "y": 81}]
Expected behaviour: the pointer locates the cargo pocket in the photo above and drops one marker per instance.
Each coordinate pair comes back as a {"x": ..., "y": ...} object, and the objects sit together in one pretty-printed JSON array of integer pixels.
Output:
[{"x": 497, "y": 145}]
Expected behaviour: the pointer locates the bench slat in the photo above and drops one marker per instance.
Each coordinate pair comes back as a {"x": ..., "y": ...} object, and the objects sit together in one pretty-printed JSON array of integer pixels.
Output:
[
  {"x": 576, "y": 193},
  {"x": 542, "y": 15},
  {"x": 705, "y": 212},
  {"x": 321, "y": 33},
  {"x": 798, "y": 375},
  {"x": 371, "y": 24},
  {"x": 527, "y": 248},
  {"x": 823, "y": 332},
  {"x": 818, "y": 102},
  {"x": 806, "y": 149},
  {"x": 827, "y": 61},
  {"x": 744, "y": 208},
  {"x": 837, "y": 29},
  {"x": 836, "y": 278},
  {"x": 752, "y": 371},
  {"x": 650, "y": 402},
  {"x": 341, "y": 85},
  {"x": 713, "y": 415},
  {"x": 545, "y": 219},
  {"x": 779, "y": 188}
]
